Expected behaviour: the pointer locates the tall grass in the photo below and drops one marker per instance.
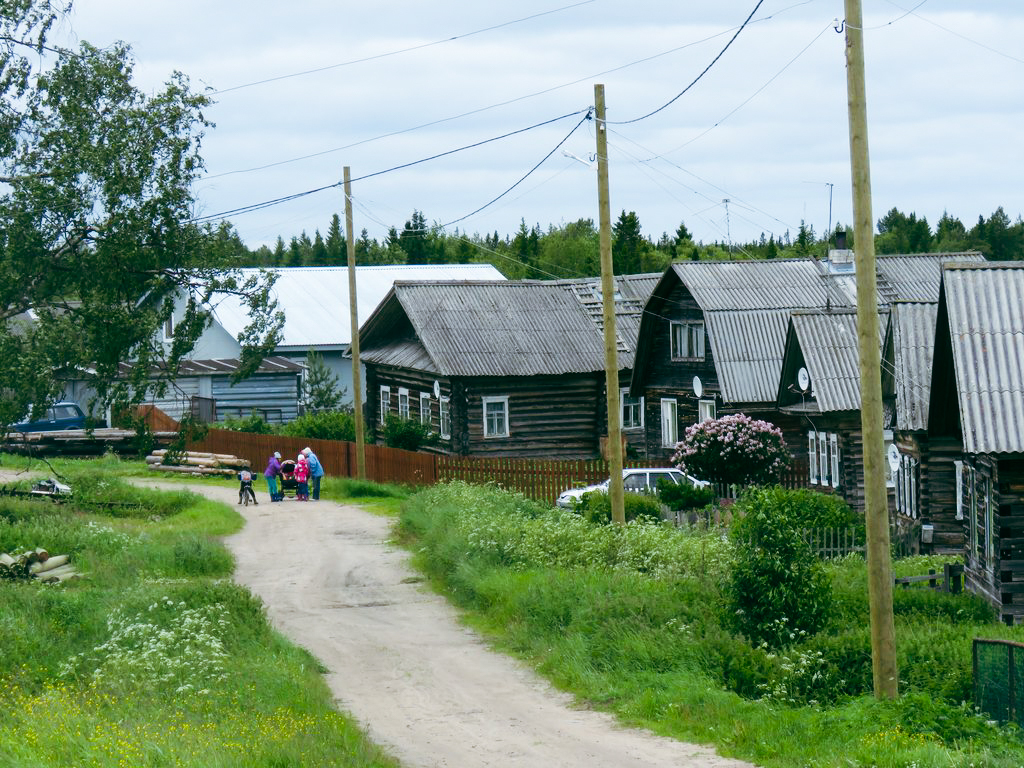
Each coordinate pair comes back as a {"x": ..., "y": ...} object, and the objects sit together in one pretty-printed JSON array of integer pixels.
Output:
[
  {"x": 630, "y": 620},
  {"x": 155, "y": 658}
]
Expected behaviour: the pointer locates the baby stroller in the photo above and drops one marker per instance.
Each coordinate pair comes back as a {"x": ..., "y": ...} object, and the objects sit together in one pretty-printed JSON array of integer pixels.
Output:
[{"x": 288, "y": 484}]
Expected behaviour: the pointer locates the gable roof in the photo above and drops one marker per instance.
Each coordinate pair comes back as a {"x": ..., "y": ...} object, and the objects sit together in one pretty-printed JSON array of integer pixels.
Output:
[
  {"x": 907, "y": 358},
  {"x": 754, "y": 299},
  {"x": 315, "y": 300},
  {"x": 506, "y": 328},
  {"x": 981, "y": 308}
]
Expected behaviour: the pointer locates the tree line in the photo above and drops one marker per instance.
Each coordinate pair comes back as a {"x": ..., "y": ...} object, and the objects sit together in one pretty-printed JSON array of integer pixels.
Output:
[{"x": 570, "y": 250}]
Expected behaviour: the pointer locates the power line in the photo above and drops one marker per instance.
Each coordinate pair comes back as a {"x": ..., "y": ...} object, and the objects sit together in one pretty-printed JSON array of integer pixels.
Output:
[
  {"x": 451, "y": 39},
  {"x": 697, "y": 79}
]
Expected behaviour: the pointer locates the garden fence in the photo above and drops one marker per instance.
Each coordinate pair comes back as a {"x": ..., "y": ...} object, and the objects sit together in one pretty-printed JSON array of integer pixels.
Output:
[{"x": 999, "y": 679}]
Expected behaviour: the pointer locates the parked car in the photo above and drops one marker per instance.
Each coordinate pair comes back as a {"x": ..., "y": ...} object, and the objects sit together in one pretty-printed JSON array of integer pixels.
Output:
[
  {"x": 65, "y": 415},
  {"x": 634, "y": 480}
]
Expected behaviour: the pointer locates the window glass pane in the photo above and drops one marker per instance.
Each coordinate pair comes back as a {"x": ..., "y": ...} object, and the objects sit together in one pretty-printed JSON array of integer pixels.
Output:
[
  {"x": 495, "y": 417},
  {"x": 445, "y": 425},
  {"x": 424, "y": 408},
  {"x": 812, "y": 458},
  {"x": 669, "y": 428},
  {"x": 834, "y": 439}
]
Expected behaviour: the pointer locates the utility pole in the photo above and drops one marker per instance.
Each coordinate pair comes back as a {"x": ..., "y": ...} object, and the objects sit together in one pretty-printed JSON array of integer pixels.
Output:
[
  {"x": 611, "y": 357},
  {"x": 357, "y": 374},
  {"x": 876, "y": 512}
]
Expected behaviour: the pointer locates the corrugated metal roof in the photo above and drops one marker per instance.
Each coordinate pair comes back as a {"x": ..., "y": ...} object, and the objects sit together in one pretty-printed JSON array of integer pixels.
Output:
[
  {"x": 507, "y": 328},
  {"x": 913, "y": 350},
  {"x": 315, "y": 300},
  {"x": 746, "y": 285},
  {"x": 985, "y": 307},
  {"x": 747, "y": 348},
  {"x": 224, "y": 366},
  {"x": 828, "y": 342}
]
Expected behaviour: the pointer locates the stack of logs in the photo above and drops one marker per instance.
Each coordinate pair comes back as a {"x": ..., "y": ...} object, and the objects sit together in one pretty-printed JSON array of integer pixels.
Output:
[
  {"x": 196, "y": 463},
  {"x": 77, "y": 442},
  {"x": 37, "y": 564}
]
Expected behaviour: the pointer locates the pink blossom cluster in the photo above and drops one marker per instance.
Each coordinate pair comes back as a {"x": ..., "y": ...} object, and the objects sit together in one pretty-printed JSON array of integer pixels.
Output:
[{"x": 733, "y": 449}]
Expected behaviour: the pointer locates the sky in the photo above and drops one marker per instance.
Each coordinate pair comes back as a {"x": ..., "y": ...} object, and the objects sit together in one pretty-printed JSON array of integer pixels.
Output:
[{"x": 498, "y": 93}]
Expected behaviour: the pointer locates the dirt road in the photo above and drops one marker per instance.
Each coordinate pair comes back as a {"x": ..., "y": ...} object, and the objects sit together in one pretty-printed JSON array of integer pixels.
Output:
[{"x": 423, "y": 686}]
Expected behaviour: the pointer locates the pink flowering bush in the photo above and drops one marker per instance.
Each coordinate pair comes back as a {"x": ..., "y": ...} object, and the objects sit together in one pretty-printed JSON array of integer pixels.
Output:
[{"x": 734, "y": 449}]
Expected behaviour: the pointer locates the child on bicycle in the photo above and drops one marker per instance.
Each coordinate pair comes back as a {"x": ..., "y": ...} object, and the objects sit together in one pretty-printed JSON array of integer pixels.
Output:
[{"x": 245, "y": 486}]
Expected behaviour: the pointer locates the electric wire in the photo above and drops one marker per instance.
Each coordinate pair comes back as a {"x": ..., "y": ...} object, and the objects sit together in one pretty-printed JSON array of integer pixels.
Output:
[{"x": 698, "y": 78}]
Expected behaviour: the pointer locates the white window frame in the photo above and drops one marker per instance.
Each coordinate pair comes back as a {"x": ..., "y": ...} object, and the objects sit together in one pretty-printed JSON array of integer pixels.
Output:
[
  {"x": 444, "y": 418},
  {"x": 706, "y": 411},
  {"x": 686, "y": 340},
  {"x": 823, "y": 464},
  {"x": 812, "y": 457},
  {"x": 425, "y": 414},
  {"x": 958, "y": 468},
  {"x": 168, "y": 329},
  {"x": 403, "y": 403},
  {"x": 669, "y": 422},
  {"x": 634, "y": 406},
  {"x": 496, "y": 400},
  {"x": 834, "y": 444},
  {"x": 890, "y": 478},
  {"x": 385, "y": 403}
]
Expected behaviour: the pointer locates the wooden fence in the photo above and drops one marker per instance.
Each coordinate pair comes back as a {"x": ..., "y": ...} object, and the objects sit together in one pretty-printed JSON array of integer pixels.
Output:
[{"x": 537, "y": 479}]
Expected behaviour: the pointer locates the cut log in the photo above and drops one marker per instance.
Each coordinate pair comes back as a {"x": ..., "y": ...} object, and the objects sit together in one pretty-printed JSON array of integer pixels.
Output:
[
  {"x": 63, "y": 573},
  {"x": 57, "y": 561}
]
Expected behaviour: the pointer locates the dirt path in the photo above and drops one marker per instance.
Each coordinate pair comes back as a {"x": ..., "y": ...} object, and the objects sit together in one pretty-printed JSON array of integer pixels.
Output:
[{"x": 423, "y": 686}]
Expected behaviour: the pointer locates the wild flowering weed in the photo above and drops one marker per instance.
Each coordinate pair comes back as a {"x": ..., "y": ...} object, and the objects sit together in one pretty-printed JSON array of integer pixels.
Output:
[{"x": 168, "y": 644}]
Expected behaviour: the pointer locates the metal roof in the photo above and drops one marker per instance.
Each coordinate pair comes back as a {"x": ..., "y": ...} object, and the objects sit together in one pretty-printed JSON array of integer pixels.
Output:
[
  {"x": 747, "y": 349},
  {"x": 910, "y": 352},
  {"x": 490, "y": 328},
  {"x": 751, "y": 285},
  {"x": 315, "y": 300},
  {"x": 828, "y": 343},
  {"x": 985, "y": 307},
  {"x": 225, "y": 366}
]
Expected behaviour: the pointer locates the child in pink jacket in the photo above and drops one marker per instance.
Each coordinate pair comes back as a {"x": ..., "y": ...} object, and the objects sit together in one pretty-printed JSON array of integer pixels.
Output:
[{"x": 301, "y": 478}]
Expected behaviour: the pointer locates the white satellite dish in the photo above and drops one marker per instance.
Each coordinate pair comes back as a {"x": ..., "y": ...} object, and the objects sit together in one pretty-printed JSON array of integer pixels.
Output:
[
  {"x": 698, "y": 387},
  {"x": 437, "y": 389},
  {"x": 803, "y": 379},
  {"x": 893, "y": 455}
]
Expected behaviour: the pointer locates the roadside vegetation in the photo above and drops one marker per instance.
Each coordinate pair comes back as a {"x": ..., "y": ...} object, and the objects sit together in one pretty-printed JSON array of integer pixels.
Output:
[
  {"x": 686, "y": 632},
  {"x": 155, "y": 658}
]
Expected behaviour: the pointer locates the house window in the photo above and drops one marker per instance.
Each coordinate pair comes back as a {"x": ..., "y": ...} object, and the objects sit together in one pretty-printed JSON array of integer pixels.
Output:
[
  {"x": 496, "y": 416},
  {"x": 958, "y": 469},
  {"x": 403, "y": 403},
  {"x": 687, "y": 341},
  {"x": 385, "y": 403},
  {"x": 823, "y": 458},
  {"x": 890, "y": 480},
  {"x": 990, "y": 520},
  {"x": 669, "y": 422},
  {"x": 169, "y": 329},
  {"x": 425, "y": 408},
  {"x": 445, "y": 418},
  {"x": 906, "y": 487},
  {"x": 632, "y": 410},
  {"x": 706, "y": 410},
  {"x": 970, "y": 480}
]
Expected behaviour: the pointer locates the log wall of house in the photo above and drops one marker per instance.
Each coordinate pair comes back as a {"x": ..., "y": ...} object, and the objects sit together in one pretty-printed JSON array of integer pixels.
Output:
[
  {"x": 416, "y": 382},
  {"x": 939, "y": 496},
  {"x": 1010, "y": 550}
]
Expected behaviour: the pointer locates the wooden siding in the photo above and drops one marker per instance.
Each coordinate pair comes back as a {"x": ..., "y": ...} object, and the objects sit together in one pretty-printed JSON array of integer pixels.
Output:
[
  {"x": 275, "y": 397},
  {"x": 1010, "y": 543}
]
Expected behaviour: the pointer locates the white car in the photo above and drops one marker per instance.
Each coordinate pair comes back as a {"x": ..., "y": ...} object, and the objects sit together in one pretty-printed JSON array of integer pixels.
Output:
[{"x": 634, "y": 480}]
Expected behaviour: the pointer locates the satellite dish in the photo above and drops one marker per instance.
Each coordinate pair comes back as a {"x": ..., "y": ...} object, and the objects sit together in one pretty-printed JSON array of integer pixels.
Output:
[
  {"x": 437, "y": 389},
  {"x": 893, "y": 455},
  {"x": 698, "y": 387},
  {"x": 803, "y": 380}
]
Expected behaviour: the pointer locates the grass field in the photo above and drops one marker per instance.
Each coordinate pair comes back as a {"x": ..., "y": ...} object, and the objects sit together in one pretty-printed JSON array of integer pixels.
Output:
[{"x": 156, "y": 658}]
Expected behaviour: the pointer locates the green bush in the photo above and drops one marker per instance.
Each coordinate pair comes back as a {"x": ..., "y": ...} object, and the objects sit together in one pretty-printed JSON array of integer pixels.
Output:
[
  {"x": 406, "y": 434},
  {"x": 684, "y": 496},
  {"x": 253, "y": 424},
  {"x": 778, "y": 590},
  {"x": 322, "y": 425},
  {"x": 596, "y": 507}
]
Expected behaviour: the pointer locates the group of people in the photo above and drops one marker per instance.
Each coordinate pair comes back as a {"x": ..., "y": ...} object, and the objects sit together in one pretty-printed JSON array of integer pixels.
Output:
[{"x": 306, "y": 471}]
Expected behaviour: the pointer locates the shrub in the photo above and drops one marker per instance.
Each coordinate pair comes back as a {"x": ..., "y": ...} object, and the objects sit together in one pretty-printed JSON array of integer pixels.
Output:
[
  {"x": 252, "y": 424},
  {"x": 734, "y": 449},
  {"x": 684, "y": 496},
  {"x": 322, "y": 425},
  {"x": 778, "y": 590},
  {"x": 596, "y": 507},
  {"x": 407, "y": 434}
]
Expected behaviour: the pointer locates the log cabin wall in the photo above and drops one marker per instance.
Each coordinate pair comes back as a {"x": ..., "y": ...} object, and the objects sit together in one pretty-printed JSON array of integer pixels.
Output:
[{"x": 1010, "y": 568}]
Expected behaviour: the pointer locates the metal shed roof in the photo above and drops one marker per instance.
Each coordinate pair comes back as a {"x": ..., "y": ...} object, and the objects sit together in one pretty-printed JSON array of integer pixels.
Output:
[
  {"x": 985, "y": 307},
  {"x": 315, "y": 300},
  {"x": 748, "y": 349},
  {"x": 911, "y": 351},
  {"x": 751, "y": 285}
]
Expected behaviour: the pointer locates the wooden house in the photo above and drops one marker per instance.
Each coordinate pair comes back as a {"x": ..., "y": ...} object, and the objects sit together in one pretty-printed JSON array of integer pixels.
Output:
[
  {"x": 501, "y": 368},
  {"x": 976, "y": 424},
  {"x": 713, "y": 335}
]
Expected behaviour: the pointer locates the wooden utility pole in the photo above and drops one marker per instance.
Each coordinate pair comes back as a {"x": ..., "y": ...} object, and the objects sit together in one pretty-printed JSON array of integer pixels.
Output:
[
  {"x": 357, "y": 374},
  {"x": 876, "y": 505},
  {"x": 611, "y": 357}
]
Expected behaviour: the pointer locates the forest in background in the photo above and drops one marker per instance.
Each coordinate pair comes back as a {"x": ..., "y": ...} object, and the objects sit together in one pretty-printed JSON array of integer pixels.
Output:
[{"x": 572, "y": 250}]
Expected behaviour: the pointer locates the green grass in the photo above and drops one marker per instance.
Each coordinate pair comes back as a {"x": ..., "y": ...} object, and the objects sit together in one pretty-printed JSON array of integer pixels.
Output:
[
  {"x": 155, "y": 658},
  {"x": 631, "y": 620}
]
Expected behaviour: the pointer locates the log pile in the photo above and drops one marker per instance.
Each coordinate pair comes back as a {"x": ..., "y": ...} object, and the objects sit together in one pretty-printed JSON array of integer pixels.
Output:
[
  {"x": 77, "y": 442},
  {"x": 37, "y": 564},
  {"x": 196, "y": 463}
]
